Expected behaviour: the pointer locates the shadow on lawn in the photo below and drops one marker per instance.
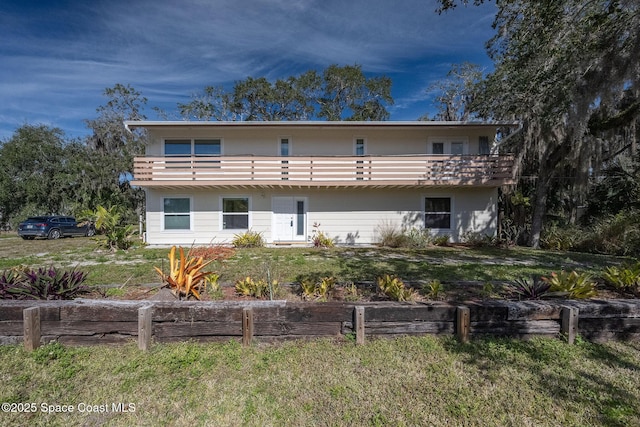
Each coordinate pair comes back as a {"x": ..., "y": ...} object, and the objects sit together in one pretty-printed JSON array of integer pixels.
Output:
[
  {"x": 570, "y": 375},
  {"x": 459, "y": 263},
  {"x": 414, "y": 266}
]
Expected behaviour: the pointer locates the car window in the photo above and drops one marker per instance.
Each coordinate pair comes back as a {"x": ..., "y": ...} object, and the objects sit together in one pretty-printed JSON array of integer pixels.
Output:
[
  {"x": 55, "y": 220},
  {"x": 36, "y": 219}
]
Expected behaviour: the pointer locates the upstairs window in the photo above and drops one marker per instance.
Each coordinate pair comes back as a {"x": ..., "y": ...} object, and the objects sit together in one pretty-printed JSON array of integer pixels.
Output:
[
  {"x": 284, "y": 147},
  {"x": 207, "y": 147},
  {"x": 483, "y": 145},
  {"x": 188, "y": 147},
  {"x": 457, "y": 148},
  {"x": 177, "y": 147},
  {"x": 438, "y": 148}
]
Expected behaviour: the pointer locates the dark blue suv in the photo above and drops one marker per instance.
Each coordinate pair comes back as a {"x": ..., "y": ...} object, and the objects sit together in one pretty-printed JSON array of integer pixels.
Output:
[{"x": 53, "y": 227}]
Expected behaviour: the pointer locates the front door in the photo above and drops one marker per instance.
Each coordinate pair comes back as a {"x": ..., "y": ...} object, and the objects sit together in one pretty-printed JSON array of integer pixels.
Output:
[{"x": 289, "y": 219}]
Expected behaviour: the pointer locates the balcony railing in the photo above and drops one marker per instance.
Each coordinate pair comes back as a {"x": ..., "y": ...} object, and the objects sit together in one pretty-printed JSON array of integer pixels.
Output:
[{"x": 399, "y": 171}]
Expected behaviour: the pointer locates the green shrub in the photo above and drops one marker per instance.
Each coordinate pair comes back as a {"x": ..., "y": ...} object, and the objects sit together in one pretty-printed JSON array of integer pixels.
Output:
[
  {"x": 43, "y": 283},
  {"x": 571, "y": 285},
  {"x": 394, "y": 288},
  {"x": 351, "y": 292},
  {"x": 442, "y": 240},
  {"x": 248, "y": 239},
  {"x": 317, "y": 290},
  {"x": 418, "y": 238},
  {"x": 558, "y": 238},
  {"x": 213, "y": 286},
  {"x": 118, "y": 237},
  {"x": 478, "y": 240},
  {"x": 625, "y": 278},
  {"x": 256, "y": 288},
  {"x": 110, "y": 222},
  {"x": 615, "y": 235},
  {"x": 391, "y": 236},
  {"x": 533, "y": 288},
  {"x": 433, "y": 289},
  {"x": 320, "y": 239}
]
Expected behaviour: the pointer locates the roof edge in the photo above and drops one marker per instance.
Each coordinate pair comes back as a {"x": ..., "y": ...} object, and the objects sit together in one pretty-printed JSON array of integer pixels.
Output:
[{"x": 131, "y": 124}]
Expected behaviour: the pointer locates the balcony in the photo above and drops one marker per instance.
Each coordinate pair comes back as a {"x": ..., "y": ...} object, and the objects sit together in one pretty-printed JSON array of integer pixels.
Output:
[{"x": 323, "y": 171}]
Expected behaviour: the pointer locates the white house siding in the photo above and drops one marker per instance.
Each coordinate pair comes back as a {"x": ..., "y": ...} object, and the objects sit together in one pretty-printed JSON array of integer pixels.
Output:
[
  {"x": 323, "y": 142},
  {"x": 351, "y": 216}
]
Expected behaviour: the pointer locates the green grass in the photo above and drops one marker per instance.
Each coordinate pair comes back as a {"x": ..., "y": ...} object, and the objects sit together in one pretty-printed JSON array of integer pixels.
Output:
[
  {"x": 403, "y": 382},
  {"x": 447, "y": 264}
]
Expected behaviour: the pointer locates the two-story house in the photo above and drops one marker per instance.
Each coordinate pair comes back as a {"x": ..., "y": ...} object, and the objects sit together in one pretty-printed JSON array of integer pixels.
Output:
[{"x": 207, "y": 181}]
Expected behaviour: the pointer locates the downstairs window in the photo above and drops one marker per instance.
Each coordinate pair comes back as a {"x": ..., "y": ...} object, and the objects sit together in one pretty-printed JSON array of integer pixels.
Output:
[
  {"x": 437, "y": 212},
  {"x": 177, "y": 213},
  {"x": 235, "y": 213}
]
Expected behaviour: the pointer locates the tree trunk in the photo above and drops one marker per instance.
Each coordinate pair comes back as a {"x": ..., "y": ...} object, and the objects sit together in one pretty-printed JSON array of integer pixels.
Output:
[{"x": 539, "y": 209}]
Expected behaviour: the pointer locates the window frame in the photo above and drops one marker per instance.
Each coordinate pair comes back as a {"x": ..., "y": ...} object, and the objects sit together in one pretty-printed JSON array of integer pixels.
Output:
[
  {"x": 223, "y": 213},
  {"x": 481, "y": 141},
  {"x": 193, "y": 146},
  {"x": 164, "y": 214},
  {"x": 289, "y": 146},
  {"x": 355, "y": 145},
  {"x": 451, "y": 212},
  {"x": 447, "y": 142}
]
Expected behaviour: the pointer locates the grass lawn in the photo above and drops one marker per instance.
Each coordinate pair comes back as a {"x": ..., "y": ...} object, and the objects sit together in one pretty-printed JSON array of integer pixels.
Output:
[
  {"x": 403, "y": 382},
  {"x": 409, "y": 381},
  {"x": 133, "y": 268}
]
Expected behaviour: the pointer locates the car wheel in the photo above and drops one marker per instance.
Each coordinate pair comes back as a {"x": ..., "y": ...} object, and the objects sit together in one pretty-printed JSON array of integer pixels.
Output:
[
  {"x": 54, "y": 234},
  {"x": 25, "y": 237},
  {"x": 90, "y": 232}
]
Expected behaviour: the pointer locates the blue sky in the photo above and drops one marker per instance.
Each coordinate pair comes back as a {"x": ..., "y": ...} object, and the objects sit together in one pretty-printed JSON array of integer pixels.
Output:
[{"x": 57, "y": 57}]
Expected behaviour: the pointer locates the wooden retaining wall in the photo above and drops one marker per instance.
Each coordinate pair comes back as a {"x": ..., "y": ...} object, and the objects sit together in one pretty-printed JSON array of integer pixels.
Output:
[{"x": 88, "y": 322}]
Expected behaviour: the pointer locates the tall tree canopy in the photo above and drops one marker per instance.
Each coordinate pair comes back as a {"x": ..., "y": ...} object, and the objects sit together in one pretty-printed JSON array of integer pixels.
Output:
[
  {"x": 559, "y": 63},
  {"x": 455, "y": 94},
  {"x": 339, "y": 93},
  {"x": 108, "y": 162},
  {"x": 34, "y": 173}
]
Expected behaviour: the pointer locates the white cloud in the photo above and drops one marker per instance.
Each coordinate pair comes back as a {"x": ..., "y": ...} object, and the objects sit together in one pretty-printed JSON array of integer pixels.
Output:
[{"x": 58, "y": 58}]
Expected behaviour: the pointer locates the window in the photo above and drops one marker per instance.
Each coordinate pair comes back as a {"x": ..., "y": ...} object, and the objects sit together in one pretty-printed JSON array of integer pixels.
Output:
[
  {"x": 358, "y": 150},
  {"x": 437, "y": 212},
  {"x": 198, "y": 147},
  {"x": 454, "y": 145},
  {"x": 300, "y": 218},
  {"x": 284, "y": 147},
  {"x": 177, "y": 213},
  {"x": 284, "y": 152},
  {"x": 483, "y": 145},
  {"x": 207, "y": 147},
  {"x": 235, "y": 213},
  {"x": 177, "y": 147}
]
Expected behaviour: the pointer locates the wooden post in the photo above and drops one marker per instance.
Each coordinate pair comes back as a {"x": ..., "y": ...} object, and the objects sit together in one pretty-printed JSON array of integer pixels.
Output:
[
  {"x": 31, "y": 319},
  {"x": 145, "y": 327},
  {"x": 247, "y": 326},
  {"x": 569, "y": 327},
  {"x": 463, "y": 324},
  {"x": 358, "y": 322}
]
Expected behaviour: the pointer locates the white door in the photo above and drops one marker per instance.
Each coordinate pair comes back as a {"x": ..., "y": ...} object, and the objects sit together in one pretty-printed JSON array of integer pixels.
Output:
[{"x": 289, "y": 219}]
